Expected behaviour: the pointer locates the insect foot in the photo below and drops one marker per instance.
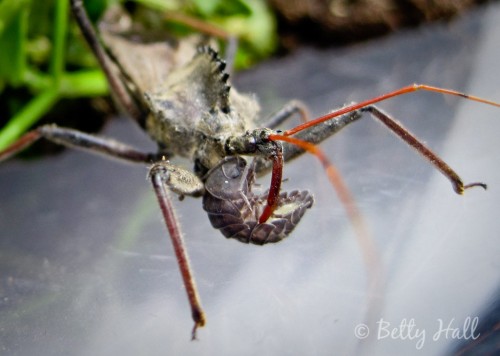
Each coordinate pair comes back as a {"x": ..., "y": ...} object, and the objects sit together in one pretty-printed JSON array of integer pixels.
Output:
[{"x": 234, "y": 209}]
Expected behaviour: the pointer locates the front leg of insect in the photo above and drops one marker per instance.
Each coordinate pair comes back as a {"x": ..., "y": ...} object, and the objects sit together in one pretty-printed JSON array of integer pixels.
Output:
[{"x": 182, "y": 182}]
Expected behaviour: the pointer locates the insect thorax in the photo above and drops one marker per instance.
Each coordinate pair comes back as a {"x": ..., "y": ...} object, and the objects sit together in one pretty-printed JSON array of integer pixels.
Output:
[{"x": 195, "y": 111}]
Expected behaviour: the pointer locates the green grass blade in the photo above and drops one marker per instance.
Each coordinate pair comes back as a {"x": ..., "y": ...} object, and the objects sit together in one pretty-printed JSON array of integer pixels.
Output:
[{"x": 28, "y": 116}]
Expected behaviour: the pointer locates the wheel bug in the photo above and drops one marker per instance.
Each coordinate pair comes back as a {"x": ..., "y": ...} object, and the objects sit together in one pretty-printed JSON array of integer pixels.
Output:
[{"x": 313, "y": 132}]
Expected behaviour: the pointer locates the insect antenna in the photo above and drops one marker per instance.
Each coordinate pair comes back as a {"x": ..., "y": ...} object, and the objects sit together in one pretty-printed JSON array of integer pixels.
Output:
[{"x": 405, "y": 90}]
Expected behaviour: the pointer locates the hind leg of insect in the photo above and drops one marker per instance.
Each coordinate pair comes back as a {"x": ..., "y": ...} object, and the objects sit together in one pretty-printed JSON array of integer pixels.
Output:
[
  {"x": 288, "y": 110},
  {"x": 118, "y": 87}
]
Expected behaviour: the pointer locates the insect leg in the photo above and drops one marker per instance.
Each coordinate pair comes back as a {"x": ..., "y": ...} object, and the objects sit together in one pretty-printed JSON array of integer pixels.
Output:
[
  {"x": 118, "y": 87},
  {"x": 410, "y": 139},
  {"x": 290, "y": 108},
  {"x": 80, "y": 140},
  {"x": 158, "y": 175}
]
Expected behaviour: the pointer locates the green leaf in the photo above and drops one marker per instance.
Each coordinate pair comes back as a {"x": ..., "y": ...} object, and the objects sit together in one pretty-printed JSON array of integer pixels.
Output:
[
  {"x": 207, "y": 7},
  {"x": 13, "y": 45},
  {"x": 27, "y": 116},
  {"x": 9, "y": 10}
]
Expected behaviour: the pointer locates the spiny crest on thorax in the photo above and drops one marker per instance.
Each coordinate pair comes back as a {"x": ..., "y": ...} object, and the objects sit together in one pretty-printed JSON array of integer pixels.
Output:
[
  {"x": 214, "y": 77},
  {"x": 199, "y": 85}
]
